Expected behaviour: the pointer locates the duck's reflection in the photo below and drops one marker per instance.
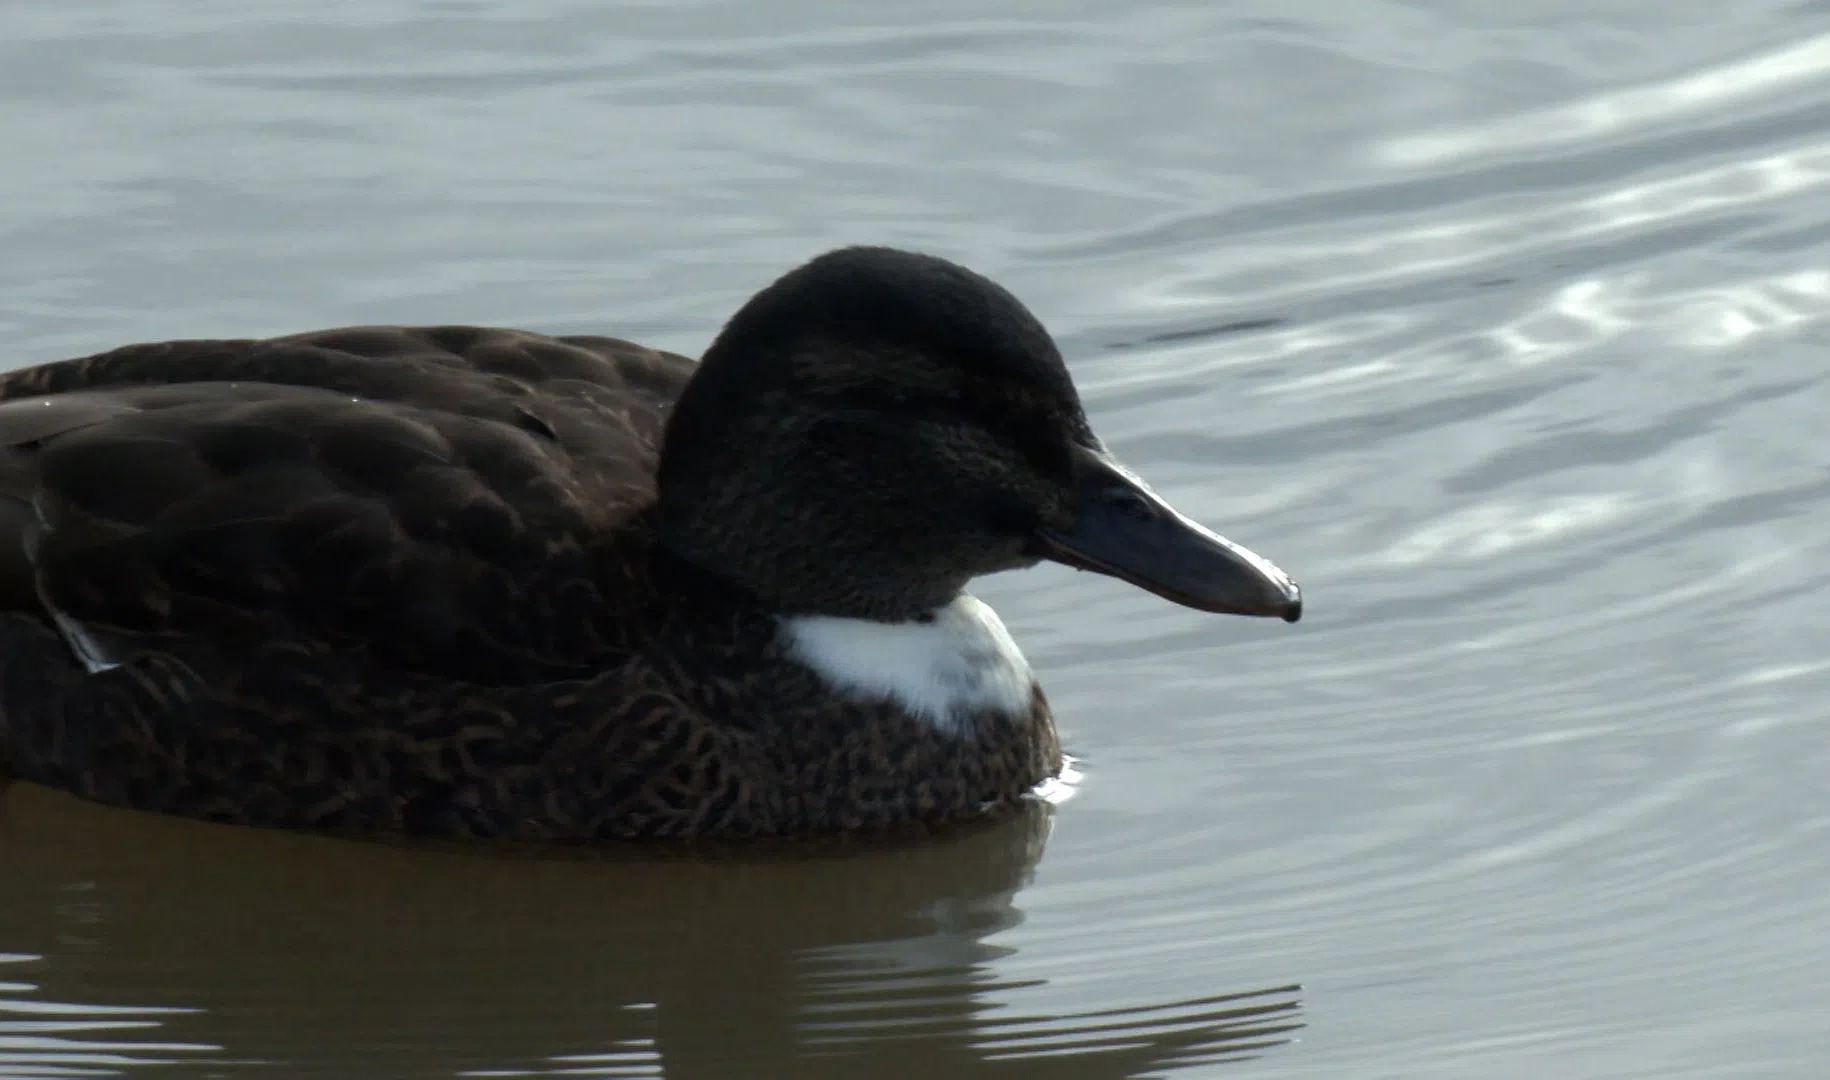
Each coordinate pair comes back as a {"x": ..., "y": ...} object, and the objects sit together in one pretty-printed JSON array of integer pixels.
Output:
[{"x": 297, "y": 956}]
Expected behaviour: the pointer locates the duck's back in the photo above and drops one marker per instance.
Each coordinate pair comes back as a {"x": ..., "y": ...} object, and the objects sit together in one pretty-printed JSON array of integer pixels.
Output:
[{"x": 453, "y": 500}]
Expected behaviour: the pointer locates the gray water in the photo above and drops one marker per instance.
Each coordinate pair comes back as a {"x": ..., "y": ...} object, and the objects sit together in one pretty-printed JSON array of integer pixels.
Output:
[{"x": 1502, "y": 326}]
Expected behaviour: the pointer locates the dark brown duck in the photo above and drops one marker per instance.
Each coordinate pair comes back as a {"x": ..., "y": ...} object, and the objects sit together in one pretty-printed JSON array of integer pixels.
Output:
[{"x": 483, "y": 583}]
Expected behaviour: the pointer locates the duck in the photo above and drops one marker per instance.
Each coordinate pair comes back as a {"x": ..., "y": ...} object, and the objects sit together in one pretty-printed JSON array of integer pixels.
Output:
[{"x": 482, "y": 584}]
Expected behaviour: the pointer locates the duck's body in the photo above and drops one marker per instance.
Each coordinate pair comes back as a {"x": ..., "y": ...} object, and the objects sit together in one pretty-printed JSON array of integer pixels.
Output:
[{"x": 441, "y": 581}]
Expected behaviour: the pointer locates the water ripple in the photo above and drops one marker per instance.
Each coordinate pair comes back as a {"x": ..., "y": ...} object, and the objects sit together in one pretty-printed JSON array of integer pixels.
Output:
[{"x": 47, "y": 1038}]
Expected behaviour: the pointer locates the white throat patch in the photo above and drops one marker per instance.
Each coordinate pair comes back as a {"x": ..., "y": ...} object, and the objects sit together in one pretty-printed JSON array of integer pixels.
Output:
[{"x": 960, "y": 661}]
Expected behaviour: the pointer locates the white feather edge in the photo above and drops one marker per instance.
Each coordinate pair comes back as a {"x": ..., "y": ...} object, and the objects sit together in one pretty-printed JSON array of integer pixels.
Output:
[
  {"x": 92, "y": 654},
  {"x": 942, "y": 670}
]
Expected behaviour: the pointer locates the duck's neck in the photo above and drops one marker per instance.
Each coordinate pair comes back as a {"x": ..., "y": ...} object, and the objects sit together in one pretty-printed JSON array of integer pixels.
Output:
[{"x": 944, "y": 668}]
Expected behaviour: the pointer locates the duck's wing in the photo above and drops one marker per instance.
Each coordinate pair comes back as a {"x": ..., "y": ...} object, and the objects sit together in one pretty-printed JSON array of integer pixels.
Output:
[{"x": 449, "y": 500}]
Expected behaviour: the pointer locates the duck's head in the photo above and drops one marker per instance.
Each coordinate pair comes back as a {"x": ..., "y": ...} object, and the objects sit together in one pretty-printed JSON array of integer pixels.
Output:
[{"x": 878, "y": 427}]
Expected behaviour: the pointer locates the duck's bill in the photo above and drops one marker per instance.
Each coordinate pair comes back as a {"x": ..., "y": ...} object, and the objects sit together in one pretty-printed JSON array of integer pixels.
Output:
[{"x": 1127, "y": 531}]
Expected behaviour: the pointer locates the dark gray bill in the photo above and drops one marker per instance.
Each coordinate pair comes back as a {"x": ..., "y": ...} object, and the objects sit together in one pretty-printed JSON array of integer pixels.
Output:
[{"x": 1127, "y": 531}]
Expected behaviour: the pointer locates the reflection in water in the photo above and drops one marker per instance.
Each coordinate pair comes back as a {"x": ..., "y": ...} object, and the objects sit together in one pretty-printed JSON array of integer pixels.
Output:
[
  {"x": 61, "y": 1038},
  {"x": 316, "y": 957}
]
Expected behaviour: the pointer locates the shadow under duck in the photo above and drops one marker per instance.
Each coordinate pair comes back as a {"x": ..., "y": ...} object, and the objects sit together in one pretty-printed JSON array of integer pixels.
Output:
[{"x": 483, "y": 583}]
